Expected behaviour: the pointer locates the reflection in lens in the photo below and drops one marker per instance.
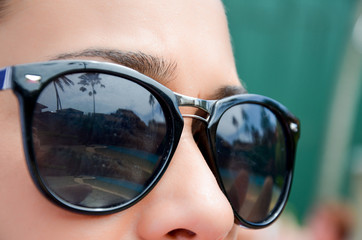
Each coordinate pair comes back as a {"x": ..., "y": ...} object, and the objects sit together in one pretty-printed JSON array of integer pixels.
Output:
[
  {"x": 98, "y": 139},
  {"x": 251, "y": 157}
]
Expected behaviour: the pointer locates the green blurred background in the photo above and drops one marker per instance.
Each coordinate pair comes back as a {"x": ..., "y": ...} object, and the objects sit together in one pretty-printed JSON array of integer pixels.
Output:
[{"x": 307, "y": 55}]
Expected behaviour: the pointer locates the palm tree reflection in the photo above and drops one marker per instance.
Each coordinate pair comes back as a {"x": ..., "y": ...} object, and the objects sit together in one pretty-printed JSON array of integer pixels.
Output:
[
  {"x": 90, "y": 79},
  {"x": 58, "y": 82}
]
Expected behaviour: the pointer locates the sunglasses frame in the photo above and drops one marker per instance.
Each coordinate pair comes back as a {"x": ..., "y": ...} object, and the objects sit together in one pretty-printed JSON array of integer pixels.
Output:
[
  {"x": 28, "y": 81},
  {"x": 291, "y": 129}
]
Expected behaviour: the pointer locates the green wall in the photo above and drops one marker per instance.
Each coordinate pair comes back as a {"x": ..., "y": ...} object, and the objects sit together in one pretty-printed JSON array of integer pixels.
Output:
[{"x": 292, "y": 51}]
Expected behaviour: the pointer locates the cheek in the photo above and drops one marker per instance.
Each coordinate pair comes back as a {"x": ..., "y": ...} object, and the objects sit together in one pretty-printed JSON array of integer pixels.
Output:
[
  {"x": 19, "y": 197},
  {"x": 12, "y": 161},
  {"x": 15, "y": 184}
]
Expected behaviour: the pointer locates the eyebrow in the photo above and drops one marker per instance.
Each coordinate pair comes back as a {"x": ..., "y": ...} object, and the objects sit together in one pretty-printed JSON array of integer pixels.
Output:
[
  {"x": 157, "y": 68},
  {"x": 4, "y": 5},
  {"x": 227, "y": 91}
]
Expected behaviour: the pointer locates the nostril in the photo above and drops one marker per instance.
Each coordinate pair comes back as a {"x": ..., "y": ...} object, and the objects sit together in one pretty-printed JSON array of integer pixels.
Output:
[{"x": 181, "y": 233}]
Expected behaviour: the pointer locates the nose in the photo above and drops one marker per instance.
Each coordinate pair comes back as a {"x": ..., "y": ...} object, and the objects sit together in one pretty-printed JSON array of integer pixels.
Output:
[{"x": 187, "y": 203}]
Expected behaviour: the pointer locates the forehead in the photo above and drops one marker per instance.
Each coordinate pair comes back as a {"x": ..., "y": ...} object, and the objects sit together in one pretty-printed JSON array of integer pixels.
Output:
[
  {"x": 194, "y": 34},
  {"x": 157, "y": 23}
]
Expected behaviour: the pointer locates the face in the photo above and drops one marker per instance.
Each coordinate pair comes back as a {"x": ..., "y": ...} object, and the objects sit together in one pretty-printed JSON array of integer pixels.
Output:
[{"x": 193, "y": 36}]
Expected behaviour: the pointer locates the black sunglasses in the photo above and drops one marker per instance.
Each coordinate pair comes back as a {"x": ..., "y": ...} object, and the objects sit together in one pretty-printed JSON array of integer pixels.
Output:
[{"x": 99, "y": 136}]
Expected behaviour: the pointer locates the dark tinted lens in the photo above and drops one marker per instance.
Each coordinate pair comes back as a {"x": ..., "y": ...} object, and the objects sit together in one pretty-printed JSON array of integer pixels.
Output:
[
  {"x": 98, "y": 139},
  {"x": 251, "y": 155}
]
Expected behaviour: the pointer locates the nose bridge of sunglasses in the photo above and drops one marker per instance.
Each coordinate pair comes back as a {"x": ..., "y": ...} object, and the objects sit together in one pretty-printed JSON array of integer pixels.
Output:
[{"x": 201, "y": 104}]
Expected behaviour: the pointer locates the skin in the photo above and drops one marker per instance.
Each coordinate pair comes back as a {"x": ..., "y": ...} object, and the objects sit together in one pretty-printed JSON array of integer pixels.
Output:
[{"x": 187, "y": 203}]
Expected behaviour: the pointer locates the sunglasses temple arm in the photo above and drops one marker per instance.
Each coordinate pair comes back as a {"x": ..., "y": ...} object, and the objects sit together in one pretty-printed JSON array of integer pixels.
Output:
[{"x": 5, "y": 78}]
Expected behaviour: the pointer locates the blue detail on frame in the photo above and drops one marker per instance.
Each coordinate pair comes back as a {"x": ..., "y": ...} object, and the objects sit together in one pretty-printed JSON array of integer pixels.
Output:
[{"x": 2, "y": 77}]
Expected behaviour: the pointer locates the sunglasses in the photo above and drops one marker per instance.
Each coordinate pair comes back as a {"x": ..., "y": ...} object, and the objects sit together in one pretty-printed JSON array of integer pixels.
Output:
[{"x": 99, "y": 136}]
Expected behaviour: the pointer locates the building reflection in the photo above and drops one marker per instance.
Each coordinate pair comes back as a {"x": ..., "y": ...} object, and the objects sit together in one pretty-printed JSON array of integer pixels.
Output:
[{"x": 82, "y": 152}]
